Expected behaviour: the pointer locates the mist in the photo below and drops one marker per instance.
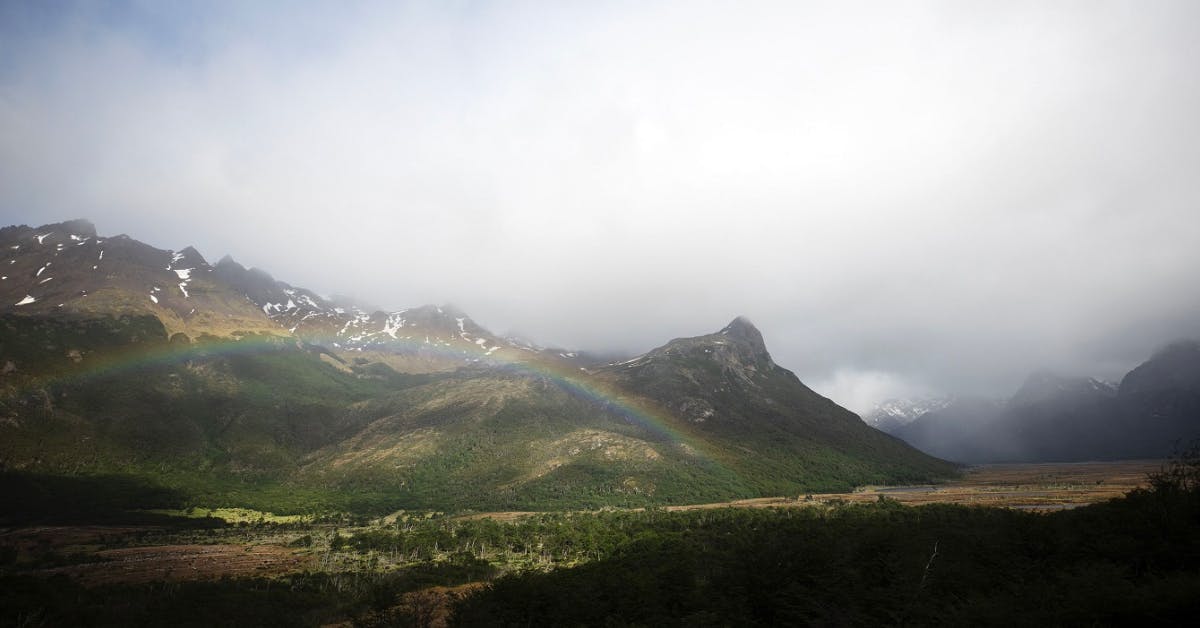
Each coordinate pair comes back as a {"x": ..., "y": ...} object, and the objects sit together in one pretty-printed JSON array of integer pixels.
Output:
[{"x": 906, "y": 198}]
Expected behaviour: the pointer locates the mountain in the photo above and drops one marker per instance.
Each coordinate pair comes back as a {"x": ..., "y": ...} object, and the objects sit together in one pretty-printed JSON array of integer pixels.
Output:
[
  {"x": 66, "y": 270},
  {"x": 762, "y": 421},
  {"x": 953, "y": 429},
  {"x": 1063, "y": 419},
  {"x": 226, "y": 384},
  {"x": 1160, "y": 399},
  {"x": 1044, "y": 388},
  {"x": 1173, "y": 368},
  {"x": 889, "y": 415}
]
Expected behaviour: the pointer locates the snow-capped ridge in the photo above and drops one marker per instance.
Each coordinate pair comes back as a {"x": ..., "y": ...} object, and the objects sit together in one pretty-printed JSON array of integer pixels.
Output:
[{"x": 902, "y": 411}]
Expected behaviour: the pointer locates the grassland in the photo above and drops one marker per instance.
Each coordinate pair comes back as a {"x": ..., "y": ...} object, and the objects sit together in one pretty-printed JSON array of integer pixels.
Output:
[{"x": 1024, "y": 486}]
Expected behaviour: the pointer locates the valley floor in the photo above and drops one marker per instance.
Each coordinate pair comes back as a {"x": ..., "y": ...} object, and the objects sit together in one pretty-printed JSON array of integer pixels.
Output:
[
  {"x": 1045, "y": 486},
  {"x": 1024, "y": 486},
  {"x": 342, "y": 568}
]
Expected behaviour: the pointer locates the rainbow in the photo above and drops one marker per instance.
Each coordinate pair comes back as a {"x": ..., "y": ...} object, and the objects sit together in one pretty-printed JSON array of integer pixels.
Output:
[{"x": 637, "y": 410}]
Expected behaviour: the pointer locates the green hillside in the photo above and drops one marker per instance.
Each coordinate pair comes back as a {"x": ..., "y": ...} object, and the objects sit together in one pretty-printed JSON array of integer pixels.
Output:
[
  {"x": 275, "y": 424},
  {"x": 222, "y": 386}
]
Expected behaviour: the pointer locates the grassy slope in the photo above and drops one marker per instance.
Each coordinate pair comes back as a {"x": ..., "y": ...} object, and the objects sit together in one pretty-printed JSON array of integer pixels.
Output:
[{"x": 280, "y": 428}]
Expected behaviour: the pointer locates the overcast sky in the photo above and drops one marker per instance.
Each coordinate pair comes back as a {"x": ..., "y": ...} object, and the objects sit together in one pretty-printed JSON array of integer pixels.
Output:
[{"x": 906, "y": 197}]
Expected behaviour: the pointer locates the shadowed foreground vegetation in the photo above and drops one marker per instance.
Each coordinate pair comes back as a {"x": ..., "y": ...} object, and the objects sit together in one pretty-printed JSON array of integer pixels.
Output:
[
  {"x": 882, "y": 564},
  {"x": 1129, "y": 561}
]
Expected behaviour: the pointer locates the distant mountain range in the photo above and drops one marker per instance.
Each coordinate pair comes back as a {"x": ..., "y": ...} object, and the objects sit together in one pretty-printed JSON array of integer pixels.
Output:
[
  {"x": 226, "y": 384},
  {"x": 891, "y": 414},
  {"x": 1055, "y": 418}
]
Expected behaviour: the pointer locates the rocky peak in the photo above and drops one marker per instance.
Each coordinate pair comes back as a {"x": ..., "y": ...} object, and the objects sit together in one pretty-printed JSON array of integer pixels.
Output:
[
  {"x": 738, "y": 349},
  {"x": 50, "y": 234},
  {"x": 257, "y": 284},
  {"x": 748, "y": 344},
  {"x": 229, "y": 264},
  {"x": 742, "y": 330},
  {"x": 189, "y": 256}
]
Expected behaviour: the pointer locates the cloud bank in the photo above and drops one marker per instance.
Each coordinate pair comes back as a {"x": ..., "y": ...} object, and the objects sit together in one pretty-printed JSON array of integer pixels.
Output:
[{"x": 906, "y": 198}]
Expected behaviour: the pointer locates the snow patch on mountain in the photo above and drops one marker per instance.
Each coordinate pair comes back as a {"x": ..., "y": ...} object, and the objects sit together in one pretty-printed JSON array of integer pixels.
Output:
[{"x": 904, "y": 411}]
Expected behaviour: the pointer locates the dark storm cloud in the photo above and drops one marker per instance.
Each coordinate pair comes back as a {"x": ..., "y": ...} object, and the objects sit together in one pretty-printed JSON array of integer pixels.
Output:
[{"x": 905, "y": 197}]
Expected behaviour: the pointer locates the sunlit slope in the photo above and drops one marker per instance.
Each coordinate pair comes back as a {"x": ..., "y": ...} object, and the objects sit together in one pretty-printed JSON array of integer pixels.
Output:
[
  {"x": 66, "y": 268},
  {"x": 490, "y": 439}
]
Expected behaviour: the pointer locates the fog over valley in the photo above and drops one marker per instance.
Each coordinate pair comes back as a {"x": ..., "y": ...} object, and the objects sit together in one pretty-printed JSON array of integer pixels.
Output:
[{"x": 907, "y": 200}]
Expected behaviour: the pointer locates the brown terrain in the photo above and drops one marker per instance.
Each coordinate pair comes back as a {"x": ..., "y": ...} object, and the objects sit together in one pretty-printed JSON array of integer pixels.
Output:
[
  {"x": 1039, "y": 487},
  {"x": 174, "y": 563}
]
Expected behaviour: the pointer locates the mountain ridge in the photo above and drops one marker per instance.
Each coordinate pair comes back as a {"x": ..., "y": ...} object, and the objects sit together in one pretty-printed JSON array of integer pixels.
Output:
[
  {"x": 253, "y": 380},
  {"x": 1052, "y": 418}
]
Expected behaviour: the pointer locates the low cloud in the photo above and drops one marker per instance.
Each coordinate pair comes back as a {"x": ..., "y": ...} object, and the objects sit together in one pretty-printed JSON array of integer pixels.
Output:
[{"x": 943, "y": 197}]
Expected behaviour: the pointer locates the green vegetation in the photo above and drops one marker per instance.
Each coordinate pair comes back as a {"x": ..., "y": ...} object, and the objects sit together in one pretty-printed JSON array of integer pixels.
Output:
[
  {"x": 1125, "y": 562},
  {"x": 271, "y": 424},
  {"x": 268, "y": 424},
  {"x": 231, "y": 515},
  {"x": 1128, "y": 561}
]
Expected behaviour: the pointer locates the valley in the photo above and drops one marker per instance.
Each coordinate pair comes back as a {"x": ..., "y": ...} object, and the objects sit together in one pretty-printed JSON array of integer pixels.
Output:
[
  {"x": 601, "y": 314},
  {"x": 1022, "y": 486},
  {"x": 161, "y": 551},
  {"x": 188, "y": 443},
  {"x": 419, "y": 567}
]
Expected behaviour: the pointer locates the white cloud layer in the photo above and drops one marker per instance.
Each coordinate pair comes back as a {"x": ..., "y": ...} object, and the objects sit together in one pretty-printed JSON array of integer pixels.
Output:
[{"x": 904, "y": 197}]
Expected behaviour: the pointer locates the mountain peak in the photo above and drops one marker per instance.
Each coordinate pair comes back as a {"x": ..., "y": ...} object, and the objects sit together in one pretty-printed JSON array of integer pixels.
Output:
[
  {"x": 189, "y": 255},
  {"x": 892, "y": 413},
  {"x": 742, "y": 329},
  {"x": 227, "y": 262},
  {"x": 79, "y": 227}
]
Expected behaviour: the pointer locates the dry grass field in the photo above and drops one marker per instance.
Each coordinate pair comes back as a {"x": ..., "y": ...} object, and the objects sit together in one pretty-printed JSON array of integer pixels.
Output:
[
  {"x": 176, "y": 563},
  {"x": 1025, "y": 486}
]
